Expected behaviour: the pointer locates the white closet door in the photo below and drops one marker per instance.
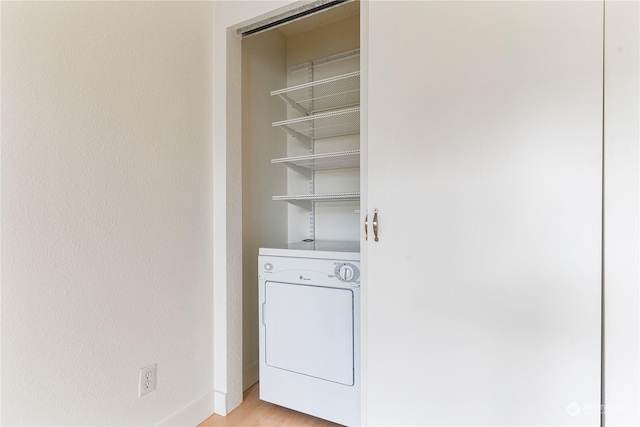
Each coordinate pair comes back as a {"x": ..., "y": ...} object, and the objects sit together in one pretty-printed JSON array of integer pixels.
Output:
[{"x": 484, "y": 159}]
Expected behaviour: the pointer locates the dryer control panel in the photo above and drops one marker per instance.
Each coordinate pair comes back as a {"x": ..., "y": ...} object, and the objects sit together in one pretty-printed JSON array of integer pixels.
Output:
[{"x": 330, "y": 272}]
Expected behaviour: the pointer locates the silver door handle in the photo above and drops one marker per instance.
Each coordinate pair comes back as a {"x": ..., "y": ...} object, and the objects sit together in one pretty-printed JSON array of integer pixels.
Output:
[{"x": 375, "y": 224}]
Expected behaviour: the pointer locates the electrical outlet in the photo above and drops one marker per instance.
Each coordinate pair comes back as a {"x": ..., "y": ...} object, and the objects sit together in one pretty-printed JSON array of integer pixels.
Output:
[{"x": 147, "y": 380}]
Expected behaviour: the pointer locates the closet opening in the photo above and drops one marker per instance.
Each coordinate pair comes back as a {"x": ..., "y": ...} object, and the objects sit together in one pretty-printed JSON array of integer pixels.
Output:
[{"x": 300, "y": 164}]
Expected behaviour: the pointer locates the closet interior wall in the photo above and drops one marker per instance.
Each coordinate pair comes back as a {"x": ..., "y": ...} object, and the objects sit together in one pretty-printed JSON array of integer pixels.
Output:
[{"x": 264, "y": 222}]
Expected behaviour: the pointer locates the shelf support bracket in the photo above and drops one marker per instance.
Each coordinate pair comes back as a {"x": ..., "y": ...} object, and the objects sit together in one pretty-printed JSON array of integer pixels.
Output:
[
  {"x": 304, "y": 204},
  {"x": 294, "y": 104},
  {"x": 302, "y": 171},
  {"x": 300, "y": 137}
]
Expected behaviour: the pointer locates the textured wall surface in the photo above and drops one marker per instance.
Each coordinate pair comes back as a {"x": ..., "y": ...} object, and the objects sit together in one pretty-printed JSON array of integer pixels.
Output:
[{"x": 107, "y": 191}]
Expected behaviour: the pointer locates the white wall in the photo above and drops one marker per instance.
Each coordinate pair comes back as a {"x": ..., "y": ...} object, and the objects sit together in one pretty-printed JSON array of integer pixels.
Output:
[{"x": 107, "y": 207}]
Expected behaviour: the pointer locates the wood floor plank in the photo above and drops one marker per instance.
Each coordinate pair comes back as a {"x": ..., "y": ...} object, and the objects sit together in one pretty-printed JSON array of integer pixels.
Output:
[{"x": 254, "y": 412}]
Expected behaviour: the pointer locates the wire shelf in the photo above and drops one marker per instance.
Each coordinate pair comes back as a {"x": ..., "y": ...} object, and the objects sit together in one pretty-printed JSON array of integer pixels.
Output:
[
  {"x": 314, "y": 162},
  {"x": 323, "y": 125},
  {"x": 322, "y": 95},
  {"x": 305, "y": 200}
]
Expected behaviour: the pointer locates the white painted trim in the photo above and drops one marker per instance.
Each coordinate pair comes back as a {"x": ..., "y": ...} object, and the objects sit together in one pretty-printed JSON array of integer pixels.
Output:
[
  {"x": 0, "y": 239},
  {"x": 621, "y": 214},
  {"x": 193, "y": 414},
  {"x": 250, "y": 375},
  {"x": 364, "y": 206},
  {"x": 227, "y": 208},
  {"x": 220, "y": 400}
]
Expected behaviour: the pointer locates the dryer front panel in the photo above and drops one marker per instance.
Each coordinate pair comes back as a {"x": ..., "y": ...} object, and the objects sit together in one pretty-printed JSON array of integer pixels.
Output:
[{"x": 310, "y": 330}]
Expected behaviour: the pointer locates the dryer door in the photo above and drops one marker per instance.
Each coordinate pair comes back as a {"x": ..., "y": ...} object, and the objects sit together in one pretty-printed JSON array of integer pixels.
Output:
[{"x": 309, "y": 330}]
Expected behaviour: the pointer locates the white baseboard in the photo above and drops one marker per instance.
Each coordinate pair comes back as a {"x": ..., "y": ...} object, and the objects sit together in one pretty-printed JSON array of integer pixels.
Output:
[
  {"x": 195, "y": 413},
  {"x": 213, "y": 402},
  {"x": 250, "y": 375}
]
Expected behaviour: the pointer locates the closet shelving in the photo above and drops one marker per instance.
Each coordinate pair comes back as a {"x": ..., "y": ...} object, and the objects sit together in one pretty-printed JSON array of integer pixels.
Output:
[
  {"x": 304, "y": 200},
  {"x": 314, "y": 162},
  {"x": 323, "y": 125},
  {"x": 328, "y": 108},
  {"x": 332, "y": 92}
]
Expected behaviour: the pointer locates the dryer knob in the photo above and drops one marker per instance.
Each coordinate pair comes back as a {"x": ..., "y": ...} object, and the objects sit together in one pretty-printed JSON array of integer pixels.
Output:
[{"x": 347, "y": 272}]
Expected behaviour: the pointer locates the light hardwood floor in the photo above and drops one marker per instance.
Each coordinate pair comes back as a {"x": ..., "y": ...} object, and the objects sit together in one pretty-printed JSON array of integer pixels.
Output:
[{"x": 255, "y": 412}]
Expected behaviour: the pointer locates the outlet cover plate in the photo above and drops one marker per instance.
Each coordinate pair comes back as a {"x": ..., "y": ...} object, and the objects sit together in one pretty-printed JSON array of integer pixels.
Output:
[{"x": 148, "y": 380}]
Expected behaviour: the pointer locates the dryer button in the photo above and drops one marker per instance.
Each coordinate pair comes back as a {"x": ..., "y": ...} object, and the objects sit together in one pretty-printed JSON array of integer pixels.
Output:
[{"x": 268, "y": 266}]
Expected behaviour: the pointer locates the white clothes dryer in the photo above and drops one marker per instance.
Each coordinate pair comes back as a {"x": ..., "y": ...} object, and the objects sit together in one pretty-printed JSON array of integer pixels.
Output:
[{"x": 309, "y": 311}]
